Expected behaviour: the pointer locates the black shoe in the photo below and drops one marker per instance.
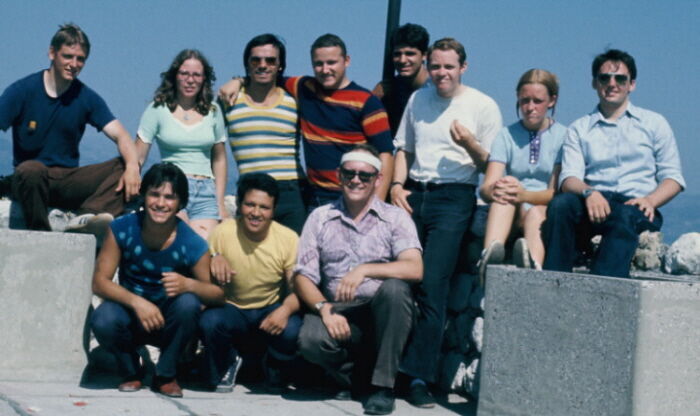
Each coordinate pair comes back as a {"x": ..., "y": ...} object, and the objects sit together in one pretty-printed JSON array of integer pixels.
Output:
[
  {"x": 381, "y": 402},
  {"x": 229, "y": 379},
  {"x": 419, "y": 396},
  {"x": 274, "y": 378}
]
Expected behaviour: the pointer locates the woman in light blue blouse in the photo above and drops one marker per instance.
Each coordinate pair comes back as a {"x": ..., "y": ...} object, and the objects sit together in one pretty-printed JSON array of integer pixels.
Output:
[
  {"x": 522, "y": 173},
  {"x": 189, "y": 129}
]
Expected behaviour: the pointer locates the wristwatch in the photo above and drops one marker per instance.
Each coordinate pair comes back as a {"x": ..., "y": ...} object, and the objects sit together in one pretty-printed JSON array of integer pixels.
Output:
[
  {"x": 318, "y": 306},
  {"x": 587, "y": 192}
]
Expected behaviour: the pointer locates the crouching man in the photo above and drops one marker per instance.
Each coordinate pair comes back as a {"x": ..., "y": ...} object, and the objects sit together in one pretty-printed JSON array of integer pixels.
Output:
[
  {"x": 253, "y": 261},
  {"x": 156, "y": 301},
  {"x": 356, "y": 259}
]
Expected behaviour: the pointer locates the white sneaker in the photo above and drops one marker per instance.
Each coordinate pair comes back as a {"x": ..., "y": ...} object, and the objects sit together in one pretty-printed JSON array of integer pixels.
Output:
[
  {"x": 493, "y": 254},
  {"x": 521, "y": 255},
  {"x": 90, "y": 224}
]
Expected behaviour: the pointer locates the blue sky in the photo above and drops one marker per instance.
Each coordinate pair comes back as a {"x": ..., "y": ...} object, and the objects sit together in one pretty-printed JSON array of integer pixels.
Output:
[{"x": 133, "y": 41}]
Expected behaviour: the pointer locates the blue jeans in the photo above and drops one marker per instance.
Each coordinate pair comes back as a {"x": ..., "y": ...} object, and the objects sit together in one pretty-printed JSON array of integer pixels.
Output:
[
  {"x": 442, "y": 214},
  {"x": 228, "y": 326},
  {"x": 567, "y": 221},
  {"x": 202, "y": 203},
  {"x": 290, "y": 210},
  {"x": 119, "y": 330}
]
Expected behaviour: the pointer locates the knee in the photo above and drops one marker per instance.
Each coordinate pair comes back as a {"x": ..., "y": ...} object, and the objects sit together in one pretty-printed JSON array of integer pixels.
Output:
[
  {"x": 106, "y": 320},
  {"x": 311, "y": 344},
  {"x": 394, "y": 291},
  {"x": 535, "y": 215},
  {"x": 30, "y": 170},
  {"x": 187, "y": 305},
  {"x": 211, "y": 321},
  {"x": 623, "y": 219}
]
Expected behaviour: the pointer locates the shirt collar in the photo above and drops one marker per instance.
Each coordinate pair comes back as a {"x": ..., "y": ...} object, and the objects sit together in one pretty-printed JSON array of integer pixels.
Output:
[
  {"x": 339, "y": 210},
  {"x": 597, "y": 116}
]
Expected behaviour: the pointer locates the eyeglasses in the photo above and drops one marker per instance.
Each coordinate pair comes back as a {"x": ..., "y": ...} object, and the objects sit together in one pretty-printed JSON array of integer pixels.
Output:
[
  {"x": 257, "y": 60},
  {"x": 194, "y": 75},
  {"x": 605, "y": 78},
  {"x": 347, "y": 175}
]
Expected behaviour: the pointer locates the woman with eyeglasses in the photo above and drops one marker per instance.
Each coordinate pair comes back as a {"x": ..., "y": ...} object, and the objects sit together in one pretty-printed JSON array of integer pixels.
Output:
[
  {"x": 189, "y": 129},
  {"x": 522, "y": 173}
]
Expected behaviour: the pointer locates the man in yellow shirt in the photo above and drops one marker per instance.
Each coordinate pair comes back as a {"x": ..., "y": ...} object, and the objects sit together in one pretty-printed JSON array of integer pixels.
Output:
[{"x": 252, "y": 259}]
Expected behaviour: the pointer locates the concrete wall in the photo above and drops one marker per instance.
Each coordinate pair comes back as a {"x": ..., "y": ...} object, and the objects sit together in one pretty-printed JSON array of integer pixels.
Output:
[
  {"x": 572, "y": 344},
  {"x": 45, "y": 294}
]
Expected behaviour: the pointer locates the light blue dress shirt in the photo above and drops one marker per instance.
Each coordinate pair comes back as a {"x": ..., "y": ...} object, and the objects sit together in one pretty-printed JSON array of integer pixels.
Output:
[
  {"x": 630, "y": 155},
  {"x": 512, "y": 148}
]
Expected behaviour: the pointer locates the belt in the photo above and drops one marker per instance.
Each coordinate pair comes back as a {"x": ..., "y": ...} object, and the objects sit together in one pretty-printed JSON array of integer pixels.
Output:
[{"x": 432, "y": 186}]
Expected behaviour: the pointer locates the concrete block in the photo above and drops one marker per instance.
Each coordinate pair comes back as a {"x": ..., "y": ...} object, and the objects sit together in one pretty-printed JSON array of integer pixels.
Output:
[
  {"x": 45, "y": 287},
  {"x": 575, "y": 344}
]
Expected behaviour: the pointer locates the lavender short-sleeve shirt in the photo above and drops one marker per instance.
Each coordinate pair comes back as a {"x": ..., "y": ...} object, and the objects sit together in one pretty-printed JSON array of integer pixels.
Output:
[{"x": 332, "y": 244}]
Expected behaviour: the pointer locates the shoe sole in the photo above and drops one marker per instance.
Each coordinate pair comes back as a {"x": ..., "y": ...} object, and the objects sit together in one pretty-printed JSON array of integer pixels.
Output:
[
  {"x": 521, "y": 254},
  {"x": 380, "y": 412},
  {"x": 96, "y": 225},
  {"x": 494, "y": 254}
]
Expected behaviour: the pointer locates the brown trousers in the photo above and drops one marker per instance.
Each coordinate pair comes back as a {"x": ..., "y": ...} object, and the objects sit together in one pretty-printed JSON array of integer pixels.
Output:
[{"x": 86, "y": 189}]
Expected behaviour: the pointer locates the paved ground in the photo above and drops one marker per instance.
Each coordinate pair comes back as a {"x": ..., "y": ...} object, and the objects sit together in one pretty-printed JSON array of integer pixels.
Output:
[{"x": 68, "y": 398}]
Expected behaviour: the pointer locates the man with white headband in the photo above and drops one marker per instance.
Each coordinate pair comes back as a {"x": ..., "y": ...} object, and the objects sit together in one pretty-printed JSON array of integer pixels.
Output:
[{"x": 356, "y": 259}]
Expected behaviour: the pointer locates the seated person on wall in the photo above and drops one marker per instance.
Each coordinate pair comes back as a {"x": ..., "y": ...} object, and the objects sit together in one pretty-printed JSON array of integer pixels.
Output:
[
  {"x": 253, "y": 260},
  {"x": 522, "y": 173},
  {"x": 263, "y": 127},
  {"x": 156, "y": 301},
  {"x": 356, "y": 259},
  {"x": 620, "y": 163},
  {"x": 48, "y": 112},
  {"x": 189, "y": 130}
]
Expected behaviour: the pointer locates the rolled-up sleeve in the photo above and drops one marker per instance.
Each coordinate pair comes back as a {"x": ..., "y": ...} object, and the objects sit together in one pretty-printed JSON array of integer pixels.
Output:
[
  {"x": 404, "y": 234},
  {"x": 668, "y": 161},
  {"x": 308, "y": 259}
]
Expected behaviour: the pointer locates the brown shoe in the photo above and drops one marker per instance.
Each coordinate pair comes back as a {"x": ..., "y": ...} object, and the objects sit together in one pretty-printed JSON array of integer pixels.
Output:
[
  {"x": 130, "y": 386},
  {"x": 170, "y": 389}
]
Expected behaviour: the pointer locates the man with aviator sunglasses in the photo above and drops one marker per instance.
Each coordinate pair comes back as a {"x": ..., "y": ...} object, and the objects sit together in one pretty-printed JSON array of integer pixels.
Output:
[
  {"x": 620, "y": 163},
  {"x": 356, "y": 259}
]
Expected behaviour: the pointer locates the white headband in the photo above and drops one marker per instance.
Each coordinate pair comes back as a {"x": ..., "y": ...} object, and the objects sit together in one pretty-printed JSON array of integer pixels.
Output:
[{"x": 361, "y": 156}]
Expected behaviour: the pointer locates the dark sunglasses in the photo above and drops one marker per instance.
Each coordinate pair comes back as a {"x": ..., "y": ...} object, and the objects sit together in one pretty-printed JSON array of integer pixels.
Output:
[
  {"x": 606, "y": 77},
  {"x": 347, "y": 175},
  {"x": 256, "y": 60}
]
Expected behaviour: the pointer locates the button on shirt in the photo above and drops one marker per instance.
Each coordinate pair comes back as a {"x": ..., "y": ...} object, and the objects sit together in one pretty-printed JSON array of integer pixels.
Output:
[
  {"x": 630, "y": 155},
  {"x": 332, "y": 244}
]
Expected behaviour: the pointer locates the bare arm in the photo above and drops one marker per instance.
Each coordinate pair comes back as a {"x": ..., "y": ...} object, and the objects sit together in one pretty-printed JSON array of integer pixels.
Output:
[
  {"x": 402, "y": 162},
  {"x": 142, "y": 149},
  {"x": 465, "y": 138},
  {"x": 229, "y": 91},
  {"x": 494, "y": 172},
  {"x": 276, "y": 321},
  {"x": 407, "y": 266},
  {"x": 219, "y": 166},
  {"x": 664, "y": 192},
  {"x": 201, "y": 285},
  {"x": 131, "y": 179},
  {"x": 387, "y": 171},
  {"x": 308, "y": 292}
]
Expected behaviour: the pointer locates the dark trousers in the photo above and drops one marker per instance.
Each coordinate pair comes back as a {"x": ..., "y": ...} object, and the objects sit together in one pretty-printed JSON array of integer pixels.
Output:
[
  {"x": 442, "y": 214},
  {"x": 382, "y": 322},
  {"x": 119, "y": 330},
  {"x": 228, "y": 326},
  {"x": 290, "y": 210},
  {"x": 87, "y": 189},
  {"x": 567, "y": 221}
]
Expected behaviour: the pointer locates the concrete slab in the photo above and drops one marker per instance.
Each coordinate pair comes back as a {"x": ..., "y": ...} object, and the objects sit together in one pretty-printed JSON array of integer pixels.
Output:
[
  {"x": 67, "y": 399},
  {"x": 45, "y": 291},
  {"x": 575, "y": 344}
]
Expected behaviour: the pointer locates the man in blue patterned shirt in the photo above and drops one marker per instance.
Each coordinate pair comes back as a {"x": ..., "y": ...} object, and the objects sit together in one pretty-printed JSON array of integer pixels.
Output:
[{"x": 620, "y": 164}]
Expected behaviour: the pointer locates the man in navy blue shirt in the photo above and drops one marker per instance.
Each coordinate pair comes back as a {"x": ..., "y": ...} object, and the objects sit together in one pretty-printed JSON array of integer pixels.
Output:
[{"x": 48, "y": 112}]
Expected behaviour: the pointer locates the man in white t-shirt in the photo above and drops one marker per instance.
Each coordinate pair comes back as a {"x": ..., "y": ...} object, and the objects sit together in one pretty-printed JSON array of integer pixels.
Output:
[{"x": 443, "y": 144}]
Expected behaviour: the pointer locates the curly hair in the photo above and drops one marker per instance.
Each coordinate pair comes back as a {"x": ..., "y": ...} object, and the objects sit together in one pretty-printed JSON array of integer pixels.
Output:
[{"x": 166, "y": 94}]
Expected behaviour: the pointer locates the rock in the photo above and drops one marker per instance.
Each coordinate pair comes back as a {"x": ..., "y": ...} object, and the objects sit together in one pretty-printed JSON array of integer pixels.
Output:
[
  {"x": 476, "y": 335},
  {"x": 5, "y": 213},
  {"x": 649, "y": 251},
  {"x": 476, "y": 300},
  {"x": 461, "y": 290},
  {"x": 683, "y": 257},
  {"x": 470, "y": 378},
  {"x": 450, "y": 378}
]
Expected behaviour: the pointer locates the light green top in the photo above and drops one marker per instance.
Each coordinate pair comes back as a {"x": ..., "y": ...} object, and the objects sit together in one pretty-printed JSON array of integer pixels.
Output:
[{"x": 186, "y": 146}]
